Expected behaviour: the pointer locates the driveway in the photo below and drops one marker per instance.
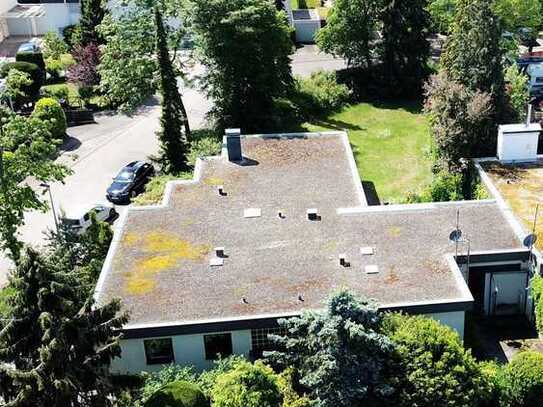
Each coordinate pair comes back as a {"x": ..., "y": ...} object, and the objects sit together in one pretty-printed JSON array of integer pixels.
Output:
[{"x": 308, "y": 59}]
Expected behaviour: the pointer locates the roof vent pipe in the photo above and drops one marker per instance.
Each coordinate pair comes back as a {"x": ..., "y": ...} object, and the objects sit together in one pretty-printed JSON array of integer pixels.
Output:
[{"x": 233, "y": 144}]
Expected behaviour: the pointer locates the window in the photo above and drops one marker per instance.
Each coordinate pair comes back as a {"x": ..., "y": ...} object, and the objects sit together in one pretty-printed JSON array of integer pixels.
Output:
[
  {"x": 261, "y": 341},
  {"x": 158, "y": 351},
  {"x": 217, "y": 344}
]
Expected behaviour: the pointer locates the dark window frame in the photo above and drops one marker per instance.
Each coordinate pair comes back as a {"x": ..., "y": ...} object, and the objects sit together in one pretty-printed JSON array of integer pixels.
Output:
[
  {"x": 214, "y": 350},
  {"x": 160, "y": 359}
]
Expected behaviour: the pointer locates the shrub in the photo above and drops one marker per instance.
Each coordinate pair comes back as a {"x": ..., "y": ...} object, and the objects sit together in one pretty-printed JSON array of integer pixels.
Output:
[
  {"x": 36, "y": 74},
  {"x": 437, "y": 370},
  {"x": 172, "y": 373},
  {"x": 247, "y": 385},
  {"x": 446, "y": 186},
  {"x": 53, "y": 45},
  {"x": 57, "y": 92},
  {"x": 537, "y": 294},
  {"x": 178, "y": 394},
  {"x": 32, "y": 58},
  {"x": 72, "y": 35},
  {"x": 16, "y": 84},
  {"x": 208, "y": 144},
  {"x": 154, "y": 189},
  {"x": 208, "y": 378},
  {"x": 84, "y": 71},
  {"x": 524, "y": 376},
  {"x": 320, "y": 94},
  {"x": 50, "y": 111},
  {"x": 56, "y": 66}
]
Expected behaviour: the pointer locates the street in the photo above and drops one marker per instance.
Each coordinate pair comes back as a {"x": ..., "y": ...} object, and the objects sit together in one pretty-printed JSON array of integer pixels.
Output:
[{"x": 96, "y": 152}]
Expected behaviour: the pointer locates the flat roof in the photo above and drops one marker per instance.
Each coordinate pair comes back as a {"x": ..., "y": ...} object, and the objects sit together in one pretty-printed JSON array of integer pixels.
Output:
[{"x": 159, "y": 262}]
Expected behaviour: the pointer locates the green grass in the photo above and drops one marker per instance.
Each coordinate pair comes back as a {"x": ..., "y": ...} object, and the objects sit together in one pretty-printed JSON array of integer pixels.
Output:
[{"x": 391, "y": 144}]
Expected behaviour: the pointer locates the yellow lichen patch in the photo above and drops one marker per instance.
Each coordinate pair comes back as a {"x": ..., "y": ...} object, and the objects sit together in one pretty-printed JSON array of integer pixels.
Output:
[
  {"x": 130, "y": 239},
  {"x": 164, "y": 251},
  {"x": 213, "y": 181},
  {"x": 137, "y": 284},
  {"x": 395, "y": 231},
  {"x": 175, "y": 247}
]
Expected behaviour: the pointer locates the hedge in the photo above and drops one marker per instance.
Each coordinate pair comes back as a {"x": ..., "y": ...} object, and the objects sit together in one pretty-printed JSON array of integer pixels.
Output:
[
  {"x": 32, "y": 58},
  {"x": 36, "y": 74},
  {"x": 524, "y": 376},
  {"x": 178, "y": 394},
  {"x": 49, "y": 110},
  {"x": 537, "y": 294}
]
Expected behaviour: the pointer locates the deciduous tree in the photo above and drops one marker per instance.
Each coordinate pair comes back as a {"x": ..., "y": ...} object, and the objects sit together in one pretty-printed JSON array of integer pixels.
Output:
[{"x": 245, "y": 46}]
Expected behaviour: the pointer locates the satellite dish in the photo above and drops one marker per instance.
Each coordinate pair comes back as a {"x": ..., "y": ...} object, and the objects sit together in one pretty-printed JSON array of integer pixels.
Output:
[
  {"x": 455, "y": 235},
  {"x": 529, "y": 240}
]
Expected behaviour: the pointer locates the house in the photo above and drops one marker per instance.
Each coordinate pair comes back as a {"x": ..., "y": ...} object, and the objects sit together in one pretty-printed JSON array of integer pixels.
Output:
[
  {"x": 274, "y": 225},
  {"x": 33, "y": 18}
]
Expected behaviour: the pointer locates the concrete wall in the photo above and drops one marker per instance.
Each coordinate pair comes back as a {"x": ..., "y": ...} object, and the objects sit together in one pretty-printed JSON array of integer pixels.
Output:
[{"x": 189, "y": 349}]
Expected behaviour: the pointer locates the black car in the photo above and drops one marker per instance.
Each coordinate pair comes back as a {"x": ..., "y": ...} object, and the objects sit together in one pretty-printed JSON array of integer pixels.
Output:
[{"x": 130, "y": 181}]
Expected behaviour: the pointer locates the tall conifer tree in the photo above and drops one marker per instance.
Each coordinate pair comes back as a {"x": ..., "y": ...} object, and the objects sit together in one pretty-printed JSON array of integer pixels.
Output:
[
  {"x": 92, "y": 14},
  {"x": 174, "y": 121}
]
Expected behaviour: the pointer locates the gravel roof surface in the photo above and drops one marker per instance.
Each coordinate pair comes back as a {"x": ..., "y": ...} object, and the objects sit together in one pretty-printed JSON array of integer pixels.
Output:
[{"x": 161, "y": 268}]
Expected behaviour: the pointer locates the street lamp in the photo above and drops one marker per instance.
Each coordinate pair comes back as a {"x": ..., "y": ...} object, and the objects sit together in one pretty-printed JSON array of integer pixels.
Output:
[{"x": 47, "y": 187}]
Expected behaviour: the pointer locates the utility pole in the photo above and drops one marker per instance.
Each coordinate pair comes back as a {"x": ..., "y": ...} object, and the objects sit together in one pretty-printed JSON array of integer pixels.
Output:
[{"x": 47, "y": 187}]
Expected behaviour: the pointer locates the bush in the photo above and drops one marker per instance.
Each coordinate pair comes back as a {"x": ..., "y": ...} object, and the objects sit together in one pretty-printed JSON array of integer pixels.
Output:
[
  {"x": 437, "y": 370},
  {"x": 247, "y": 385},
  {"x": 178, "y": 394},
  {"x": 50, "y": 111},
  {"x": 57, "y": 92},
  {"x": 445, "y": 187},
  {"x": 32, "y": 58},
  {"x": 53, "y": 45},
  {"x": 154, "y": 189},
  {"x": 56, "y": 66},
  {"x": 208, "y": 378},
  {"x": 36, "y": 74},
  {"x": 537, "y": 294},
  {"x": 524, "y": 376},
  {"x": 320, "y": 94},
  {"x": 84, "y": 71},
  {"x": 205, "y": 145},
  {"x": 72, "y": 35}
]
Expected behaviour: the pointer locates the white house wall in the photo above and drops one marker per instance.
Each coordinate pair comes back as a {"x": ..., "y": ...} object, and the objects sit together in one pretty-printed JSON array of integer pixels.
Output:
[
  {"x": 189, "y": 349},
  {"x": 55, "y": 18}
]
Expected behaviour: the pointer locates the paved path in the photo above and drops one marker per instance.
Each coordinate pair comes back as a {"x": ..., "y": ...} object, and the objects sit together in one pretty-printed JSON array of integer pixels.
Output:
[{"x": 308, "y": 59}]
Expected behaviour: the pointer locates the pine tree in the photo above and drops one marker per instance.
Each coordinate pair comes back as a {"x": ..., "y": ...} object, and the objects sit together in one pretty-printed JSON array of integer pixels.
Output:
[
  {"x": 473, "y": 57},
  {"x": 174, "y": 121},
  {"x": 405, "y": 47},
  {"x": 92, "y": 14},
  {"x": 56, "y": 346}
]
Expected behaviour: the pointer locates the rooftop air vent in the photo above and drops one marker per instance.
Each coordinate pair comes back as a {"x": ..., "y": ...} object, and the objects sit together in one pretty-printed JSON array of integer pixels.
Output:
[
  {"x": 366, "y": 251},
  {"x": 252, "y": 213},
  {"x": 219, "y": 252},
  {"x": 371, "y": 269},
  {"x": 313, "y": 214},
  {"x": 221, "y": 191},
  {"x": 343, "y": 260},
  {"x": 233, "y": 145}
]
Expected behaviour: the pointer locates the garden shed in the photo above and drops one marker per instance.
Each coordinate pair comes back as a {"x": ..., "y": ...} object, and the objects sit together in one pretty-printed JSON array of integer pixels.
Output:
[{"x": 518, "y": 142}]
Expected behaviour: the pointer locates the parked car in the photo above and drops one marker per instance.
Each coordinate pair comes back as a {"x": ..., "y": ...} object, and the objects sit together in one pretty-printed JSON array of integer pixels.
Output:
[
  {"x": 79, "y": 220},
  {"x": 28, "y": 47},
  {"x": 130, "y": 182}
]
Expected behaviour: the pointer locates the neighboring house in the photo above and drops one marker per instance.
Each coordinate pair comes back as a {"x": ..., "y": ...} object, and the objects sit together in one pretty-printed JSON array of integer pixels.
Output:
[
  {"x": 270, "y": 229},
  {"x": 36, "y": 17},
  {"x": 5, "y": 6}
]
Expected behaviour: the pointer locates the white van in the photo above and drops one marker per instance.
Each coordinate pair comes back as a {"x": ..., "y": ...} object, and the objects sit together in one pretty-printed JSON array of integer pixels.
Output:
[{"x": 79, "y": 220}]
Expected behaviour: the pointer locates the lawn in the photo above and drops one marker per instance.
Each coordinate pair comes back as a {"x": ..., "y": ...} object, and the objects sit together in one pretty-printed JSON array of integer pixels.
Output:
[
  {"x": 391, "y": 144},
  {"x": 305, "y": 4}
]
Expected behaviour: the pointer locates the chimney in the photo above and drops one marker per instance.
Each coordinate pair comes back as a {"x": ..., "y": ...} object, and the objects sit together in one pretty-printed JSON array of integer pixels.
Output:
[
  {"x": 219, "y": 252},
  {"x": 220, "y": 190},
  {"x": 343, "y": 260},
  {"x": 233, "y": 144}
]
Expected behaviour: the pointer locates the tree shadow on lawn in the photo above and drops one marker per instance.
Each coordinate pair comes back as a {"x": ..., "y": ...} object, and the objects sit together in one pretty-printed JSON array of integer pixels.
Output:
[
  {"x": 335, "y": 124},
  {"x": 414, "y": 106}
]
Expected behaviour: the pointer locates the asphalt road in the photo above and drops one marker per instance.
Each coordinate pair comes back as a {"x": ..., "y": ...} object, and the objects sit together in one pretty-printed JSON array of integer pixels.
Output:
[{"x": 96, "y": 152}]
